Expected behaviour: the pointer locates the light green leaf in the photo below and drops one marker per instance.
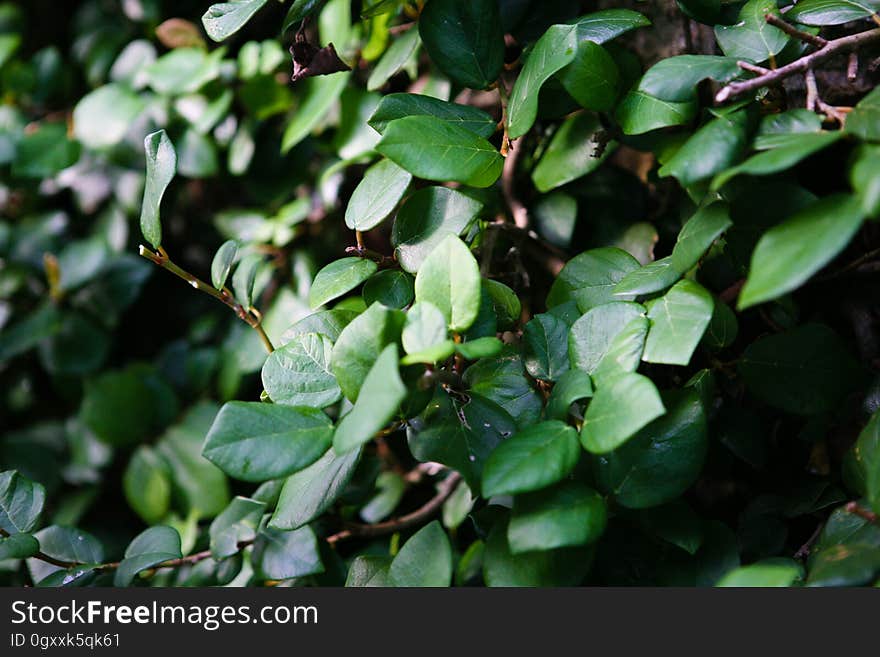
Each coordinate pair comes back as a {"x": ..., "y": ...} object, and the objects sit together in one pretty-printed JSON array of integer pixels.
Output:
[
  {"x": 310, "y": 492},
  {"x": 103, "y": 117},
  {"x": 434, "y": 149},
  {"x": 767, "y": 573},
  {"x": 864, "y": 120},
  {"x": 257, "y": 442},
  {"x": 319, "y": 95},
  {"x": 147, "y": 485},
  {"x": 424, "y": 560},
  {"x": 338, "y": 278},
  {"x": 426, "y": 219},
  {"x": 450, "y": 280},
  {"x": 790, "y": 253},
  {"x": 546, "y": 339},
  {"x": 394, "y": 59},
  {"x": 378, "y": 402},
  {"x": 299, "y": 10},
  {"x": 654, "y": 277},
  {"x": 534, "y": 458},
  {"x": 222, "y": 263},
  {"x": 376, "y": 196},
  {"x": 298, "y": 373},
  {"x": 866, "y": 452},
  {"x": 161, "y": 167},
  {"x": 619, "y": 408},
  {"x": 425, "y": 327},
  {"x": 678, "y": 321},
  {"x": 148, "y": 549},
  {"x": 245, "y": 277},
  {"x": 592, "y": 336},
  {"x": 224, "y": 19}
]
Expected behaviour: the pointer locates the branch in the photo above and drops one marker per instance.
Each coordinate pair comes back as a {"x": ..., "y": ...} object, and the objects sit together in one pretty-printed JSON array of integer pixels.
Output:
[
  {"x": 444, "y": 490},
  {"x": 792, "y": 31},
  {"x": 162, "y": 259},
  {"x": 831, "y": 48}
]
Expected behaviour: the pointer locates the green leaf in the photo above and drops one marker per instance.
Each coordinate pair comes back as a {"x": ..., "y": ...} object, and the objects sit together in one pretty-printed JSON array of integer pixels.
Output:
[
  {"x": 184, "y": 70},
  {"x": 831, "y": 12},
  {"x": 378, "y": 402},
  {"x": 590, "y": 277},
  {"x": 676, "y": 79},
  {"x": 299, "y": 10},
  {"x": 103, "y": 117},
  {"x": 866, "y": 452},
  {"x": 18, "y": 546},
  {"x": 723, "y": 327},
  {"x": 338, "y": 278},
  {"x": 503, "y": 380},
  {"x": 777, "y": 129},
  {"x": 390, "y": 490},
  {"x": 844, "y": 565},
  {"x": 45, "y": 152},
  {"x": 326, "y": 322},
  {"x": 428, "y": 217},
  {"x": 149, "y": 548},
  {"x": 147, "y": 485},
  {"x": 465, "y": 39},
  {"x": 70, "y": 544},
  {"x": 161, "y": 167},
  {"x": 555, "y": 50},
  {"x": 805, "y": 370},
  {"x": 319, "y": 95},
  {"x": 592, "y": 78},
  {"x": 222, "y": 263},
  {"x": 863, "y": 120},
  {"x": 21, "y": 502},
  {"x": 310, "y": 492},
  {"x": 392, "y": 288},
  {"x": 449, "y": 278},
  {"x": 424, "y": 560},
  {"x": 639, "y": 112},
  {"x": 654, "y": 277},
  {"x": 425, "y": 328},
  {"x": 534, "y": 458},
  {"x": 619, "y": 408},
  {"x": 678, "y": 321},
  {"x": 698, "y": 234},
  {"x": 368, "y": 570},
  {"x": 298, "y": 373},
  {"x": 593, "y": 335},
  {"x": 752, "y": 38},
  {"x": 865, "y": 179},
  {"x": 394, "y": 59},
  {"x": 787, "y": 151},
  {"x": 257, "y": 442},
  {"x": 790, "y": 253},
  {"x": 459, "y": 434},
  {"x": 487, "y": 347},
  {"x": 282, "y": 555},
  {"x": 662, "y": 460},
  {"x": 767, "y": 573},
  {"x": 505, "y": 303},
  {"x": 398, "y": 106},
  {"x": 224, "y": 19},
  {"x": 566, "y": 515},
  {"x": 245, "y": 277},
  {"x": 376, "y": 196},
  {"x": 572, "y": 386},
  {"x": 360, "y": 344},
  {"x": 577, "y": 148},
  {"x": 712, "y": 149},
  {"x": 546, "y": 339},
  {"x": 237, "y": 523},
  {"x": 560, "y": 567},
  {"x": 434, "y": 149}
]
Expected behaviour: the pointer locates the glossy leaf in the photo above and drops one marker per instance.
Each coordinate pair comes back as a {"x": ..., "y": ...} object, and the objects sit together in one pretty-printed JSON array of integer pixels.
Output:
[
  {"x": 222, "y": 263},
  {"x": 298, "y": 373},
  {"x": 399, "y": 105},
  {"x": 424, "y": 560},
  {"x": 21, "y": 502},
  {"x": 376, "y": 196},
  {"x": 450, "y": 280},
  {"x": 224, "y": 19},
  {"x": 339, "y": 278},
  {"x": 149, "y": 548},
  {"x": 161, "y": 167},
  {"x": 566, "y": 515},
  {"x": 589, "y": 278},
  {"x": 678, "y": 321},
  {"x": 619, "y": 408}
]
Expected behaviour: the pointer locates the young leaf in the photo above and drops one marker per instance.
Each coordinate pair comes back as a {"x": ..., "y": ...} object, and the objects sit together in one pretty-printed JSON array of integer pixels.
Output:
[
  {"x": 378, "y": 402},
  {"x": 298, "y": 373},
  {"x": 619, "y": 408},
  {"x": 450, "y": 280},
  {"x": 147, "y": 485},
  {"x": 790, "y": 253},
  {"x": 678, "y": 321},
  {"x": 433, "y": 149},
  {"x": 257, "y": 442},
  {"x": 376, "y": 196},
  {"x": 338, "y": 278},
  {"x": 222, "y": 263},
  {"x": 149, "y": 548},
  {"x": 769, "y": 572},
  {"x": 425, "y": 328},
  {"x": 533, "y": 458},
  {"x": 465, "y": 39},
  {"x": 224, "y": 19},
  {"x": 161, "y": 167}
]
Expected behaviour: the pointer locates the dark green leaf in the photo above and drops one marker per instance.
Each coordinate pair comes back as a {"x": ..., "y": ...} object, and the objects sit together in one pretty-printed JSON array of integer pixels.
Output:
[
  {"x": 391, "y": 288},
  {"x": 654, "y": 277},
  {"x": 222, "y": 263},
  {"x": 21, "y": 502},
  {"x": 237, "y": 523},
  {"x": 639, "y": 112},
  {"x": 148, "y": 549},
  {"x": 566, "y": 515},
  {"x": 592, "y": 78},
  {"x": 546, "y": 339},
  {"x": 593, "y": 335},
  {"x": 18, "y": 546},
  {"x": 397, "y": 106},
  {"x": 676, "y": 79},
  {"x": 863, "y": 120},
  {"x": 710, "y": 150},
  {"x": 571, "y": 387},
  {"x": 752, "y": 38},
  {"x": 147, "y": 485},
  {"x": 424, "y": 560},
  {"x": 698, "y": 234},
  {"x": 287, "y": 554},
  {"x": 577, "y": 148},
  {"x": 394, "y": 59}
]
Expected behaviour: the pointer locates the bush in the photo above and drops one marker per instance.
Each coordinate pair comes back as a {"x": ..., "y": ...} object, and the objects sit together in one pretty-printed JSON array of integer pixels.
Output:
[{"x": 522, "y": 293}]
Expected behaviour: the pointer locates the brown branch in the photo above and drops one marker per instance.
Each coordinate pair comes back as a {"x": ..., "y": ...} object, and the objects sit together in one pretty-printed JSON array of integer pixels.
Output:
[
  {"x": 831, "y": 48},
  {"x": 161, "y": 258},
  {"x": 444, "y": 490},
  {"x": 792, "y": 31},
  {"x": 517, "y": 210},
  {"x": 753, "y": 68}
]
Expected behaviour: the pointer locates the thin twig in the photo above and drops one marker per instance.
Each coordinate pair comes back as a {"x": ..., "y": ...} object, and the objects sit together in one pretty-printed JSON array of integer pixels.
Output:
[
  {"x": 753, "y": 68},
  {"x": 852, "y": 67},
  {"x": 812, "y": 90},
  {"x": 161, "y": 258},
  {"x": 791, "y": 30},
  {"x": 444, "y": 490},
  {"x": 42, "y": 556},
  {"x": 831, "y": 48}
]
